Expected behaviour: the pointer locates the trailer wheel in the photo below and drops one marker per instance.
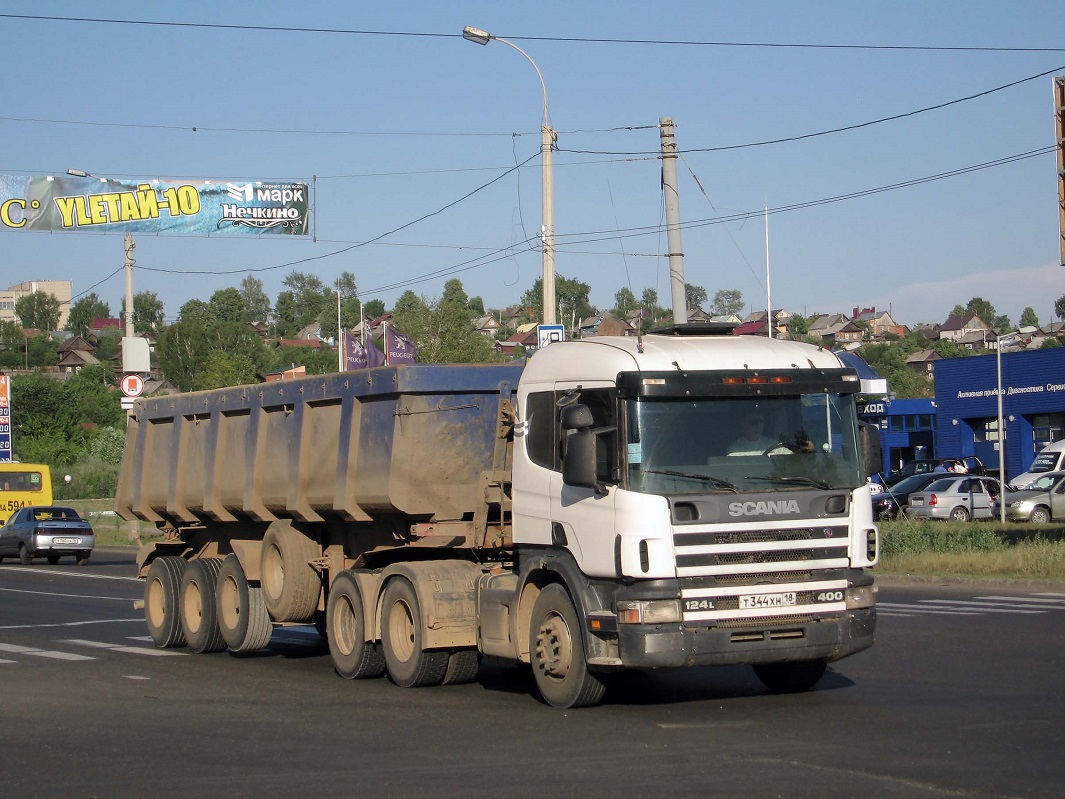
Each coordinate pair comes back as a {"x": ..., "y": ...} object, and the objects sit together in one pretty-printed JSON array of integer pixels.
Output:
[
  {"x": 161, "y": 601},
  {"x": 463, "y": 666},
  {"x": 409, "y": 665},
  {"x": 556, "y": 650},
  {"x": 242, "y": 617},
  {"x": 353, "y": 656},
  {"x": 199, "y": 619},
  {"x": 290, "y": 586},
  {"x": 790, "y": 678}
]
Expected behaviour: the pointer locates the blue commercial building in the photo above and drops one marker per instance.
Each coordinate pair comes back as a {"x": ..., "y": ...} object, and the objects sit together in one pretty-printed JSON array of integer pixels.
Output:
[
  {"x": 907, "y": 428},
  {"x": 1033, "y": 406}
]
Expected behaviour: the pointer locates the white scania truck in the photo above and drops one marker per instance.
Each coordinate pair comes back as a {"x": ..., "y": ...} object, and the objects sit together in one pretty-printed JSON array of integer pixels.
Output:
[{"x": 580, "y": 512}]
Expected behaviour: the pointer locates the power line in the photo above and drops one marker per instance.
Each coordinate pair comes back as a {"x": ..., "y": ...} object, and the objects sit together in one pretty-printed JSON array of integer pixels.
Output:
[
  {"x": 558, "y": 39},
  {"x": 857, "y": 126}
]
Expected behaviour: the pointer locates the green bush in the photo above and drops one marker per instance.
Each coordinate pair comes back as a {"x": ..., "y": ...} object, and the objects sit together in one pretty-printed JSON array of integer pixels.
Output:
[{"x": 910, "y": 537}]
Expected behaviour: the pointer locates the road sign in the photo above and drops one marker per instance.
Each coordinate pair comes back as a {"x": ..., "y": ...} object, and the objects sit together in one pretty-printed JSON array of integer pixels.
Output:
[
  {"x": 132, "y": 385},
  {"x": 548, "y": 334}
]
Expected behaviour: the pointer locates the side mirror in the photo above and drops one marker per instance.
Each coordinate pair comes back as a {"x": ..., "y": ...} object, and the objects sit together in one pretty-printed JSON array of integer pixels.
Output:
[
  {"x": 869, "y": 439},
  {"x": 579, "y": 461}
]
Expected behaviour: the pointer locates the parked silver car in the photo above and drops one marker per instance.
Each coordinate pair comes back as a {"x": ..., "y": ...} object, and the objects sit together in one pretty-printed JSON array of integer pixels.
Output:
[
  {"x": 1042, "y": 502},
  {"x": 48, "y": 531},
  {"x": 960, "y": 498}
]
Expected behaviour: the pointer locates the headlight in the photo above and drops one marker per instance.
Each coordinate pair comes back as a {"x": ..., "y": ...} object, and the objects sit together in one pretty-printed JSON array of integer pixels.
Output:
[
  {"x": 1020, "y": 505},
  {"x": 649, "y": 611},
  {"x": 862, "y": 596}
]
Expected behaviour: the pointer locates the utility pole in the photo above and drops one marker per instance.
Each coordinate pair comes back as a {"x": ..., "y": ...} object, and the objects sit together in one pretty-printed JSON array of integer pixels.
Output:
[
  {"x": 669, "y": 189},
  {"x": 1059, "y": 121},
  {"x": 130, "y": 246}
]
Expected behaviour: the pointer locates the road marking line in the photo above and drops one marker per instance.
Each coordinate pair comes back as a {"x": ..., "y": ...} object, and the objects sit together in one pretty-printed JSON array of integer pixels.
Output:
[
  {"x": 2, "y": 660},
  {"x": 131, "y": 650},
  {"x": 1047, "y": 593},
  {"x": 136, "y": 677},
  {"x": 68, "y": 574},
  {"x": 69, "y": 596},
  {"x": 66, "y": 624},
  {"x": 925, "y": 609},
  {"x": 986, "y": 607},
  {"x": 15, "y": 649},
  {"x": 1060, "y": 603}
]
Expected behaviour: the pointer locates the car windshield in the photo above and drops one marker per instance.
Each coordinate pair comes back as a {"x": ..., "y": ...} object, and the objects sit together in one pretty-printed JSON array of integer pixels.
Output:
[{"x": 742, "y": 444}]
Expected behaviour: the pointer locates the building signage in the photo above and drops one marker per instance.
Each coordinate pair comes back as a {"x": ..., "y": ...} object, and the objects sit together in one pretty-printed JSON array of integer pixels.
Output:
[
  {"x": 63, "y": 202},
  {"x": 1009, "y": 391},
  {"x": 5, "y": 419}
]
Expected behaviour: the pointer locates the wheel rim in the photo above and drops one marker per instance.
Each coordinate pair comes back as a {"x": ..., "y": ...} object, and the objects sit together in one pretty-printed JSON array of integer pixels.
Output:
[
  {"x": 229, "y": 603},
  {"x": 342, "y": 626},
  {"x": 192, "y": 607},
  {"x": 273, "y": 579},
  {"x": 960, "y": 515},
  {"x": 401, "y": 630},
  {"x": 554, "y": 647},
  {"x": 156, "y": 604}
]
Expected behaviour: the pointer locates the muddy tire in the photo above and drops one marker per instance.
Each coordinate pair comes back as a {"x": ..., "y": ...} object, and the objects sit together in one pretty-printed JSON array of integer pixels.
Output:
[
  {"x": 290, "y": 586},
  {"x": 199, "y": 618},
  {"x": 463, "y": 666},
  {"x": 409, "y": 665},
  {"x": 556, "y": 651},
  {"x": 790, "y": 678},
  {"x": 161, "y": 601},
  {"x": 242, "y": 617},
  {"x": 354, "y": 657}
]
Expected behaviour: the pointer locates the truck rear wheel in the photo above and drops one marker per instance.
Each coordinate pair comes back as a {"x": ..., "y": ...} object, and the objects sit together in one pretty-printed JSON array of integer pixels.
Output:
[
  {"x": 409, "y": 665},
  {"x": 290, "y": 586},
  {"x": 790, "y": 678},
  {"x": 463, "y": 666},
  {"x": 162, "y": 600},
  {"x": 353, "y": 656},
  {"x": 199, "y": 619},
  {"x": 556, "y": 651},
  {"x": 242, "y": 617}
]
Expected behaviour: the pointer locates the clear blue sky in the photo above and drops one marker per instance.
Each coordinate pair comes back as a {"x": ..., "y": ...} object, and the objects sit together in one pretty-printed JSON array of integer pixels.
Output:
[{"x": 398, "y": 127}]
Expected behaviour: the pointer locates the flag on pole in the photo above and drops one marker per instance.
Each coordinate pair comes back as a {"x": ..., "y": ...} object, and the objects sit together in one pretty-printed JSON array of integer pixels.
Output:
[
  {"x": 355, "y": 355},
  {"x": 374, "y": 356},
  {"x": 399, "y": 350}
]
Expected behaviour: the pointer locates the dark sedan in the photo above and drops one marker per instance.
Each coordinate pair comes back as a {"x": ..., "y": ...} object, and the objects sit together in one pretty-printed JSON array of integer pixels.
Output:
[
  {"x": 891, "y": 502},
  {"x": 48, "y": 531}
]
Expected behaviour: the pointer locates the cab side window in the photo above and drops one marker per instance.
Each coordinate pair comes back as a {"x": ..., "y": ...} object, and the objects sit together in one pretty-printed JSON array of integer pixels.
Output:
[{"x": 545, "y": 435}]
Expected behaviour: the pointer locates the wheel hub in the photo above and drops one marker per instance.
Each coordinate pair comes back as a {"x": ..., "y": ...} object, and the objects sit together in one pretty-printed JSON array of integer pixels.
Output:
[{"x": 554, "y": 647}]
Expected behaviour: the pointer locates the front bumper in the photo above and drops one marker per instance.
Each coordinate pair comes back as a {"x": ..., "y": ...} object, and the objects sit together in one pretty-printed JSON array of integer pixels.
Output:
[{"x": 679, "y": 645}]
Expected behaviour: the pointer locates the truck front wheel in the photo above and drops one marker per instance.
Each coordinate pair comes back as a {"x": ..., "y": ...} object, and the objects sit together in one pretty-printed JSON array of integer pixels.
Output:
[
  {"x": 353, "y": 656},
  {"x": 162, "y": 599},
  {"x": 556, "y": 650},
  {"x": 199, "y": 619},
  {"x": 242, "y": 617},
  {"x": 790, "y": 678},
  {"x": 409, "y": 665}
]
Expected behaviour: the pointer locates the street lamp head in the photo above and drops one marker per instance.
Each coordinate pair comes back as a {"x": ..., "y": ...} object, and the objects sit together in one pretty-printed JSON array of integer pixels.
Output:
[
  {"x": 476, "y": 35},
  {"x": 78, "y": 173}
]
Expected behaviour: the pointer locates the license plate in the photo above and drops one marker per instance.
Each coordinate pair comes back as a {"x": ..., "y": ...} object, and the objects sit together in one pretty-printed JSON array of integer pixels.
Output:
[
  {"x": 916, "y": 501},
  {"x": 754, "y": 601},
  {"x": 66, "y": 540}
]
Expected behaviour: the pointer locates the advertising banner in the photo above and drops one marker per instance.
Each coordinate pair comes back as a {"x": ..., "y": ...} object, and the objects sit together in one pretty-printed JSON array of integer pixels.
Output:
[
  {"x": 68, "y": 203},
  {"x": 5, "y": 419}
]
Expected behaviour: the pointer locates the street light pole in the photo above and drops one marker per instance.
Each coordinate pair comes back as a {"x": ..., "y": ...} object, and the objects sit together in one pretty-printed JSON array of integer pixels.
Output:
[{"x": 547, "y": 144}]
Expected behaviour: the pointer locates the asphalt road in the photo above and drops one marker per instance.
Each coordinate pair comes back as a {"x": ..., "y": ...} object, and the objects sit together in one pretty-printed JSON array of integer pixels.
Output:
[{"x": 962, "y": 696}]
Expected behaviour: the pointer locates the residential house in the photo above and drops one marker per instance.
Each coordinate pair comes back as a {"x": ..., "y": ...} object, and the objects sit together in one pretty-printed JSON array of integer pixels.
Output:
[
  {"x": 922, "y": 362},
  {"x": 486, "y": 325},
  {"x": 605, "y": 324},
  {"x": 957, "y": 326},
  {"x": 879, "y": 322},
  {"x": 527, "y": 339}
]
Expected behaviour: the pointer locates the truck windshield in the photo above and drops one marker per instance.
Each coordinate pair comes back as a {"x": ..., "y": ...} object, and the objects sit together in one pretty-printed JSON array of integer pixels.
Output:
[{"x": 741, "y": 445}]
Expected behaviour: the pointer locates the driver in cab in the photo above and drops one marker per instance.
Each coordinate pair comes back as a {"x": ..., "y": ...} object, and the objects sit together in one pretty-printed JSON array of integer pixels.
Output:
[{"x": 754, "y": 441}]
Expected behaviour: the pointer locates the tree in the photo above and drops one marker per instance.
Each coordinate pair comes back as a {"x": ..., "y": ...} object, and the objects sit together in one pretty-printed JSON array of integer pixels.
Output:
[
  {"x": 649, "y": 300},
  {"x": 185, "y": 349},
  {"x": 256, "y": 301},
  {"x": 443, "y": 330},
  {"x": 986, "y": 312},
  {"x": 373, "y": 309},
  {"x": 694, "y": 296},
  {"x": 571, "y": 296},
  {"x": 147, "y": 312},
  {"x": 624, "y": 302},
  {"x": 39, "y": 311},
  {"x": 1059, "y": 308},
  {"x": 798, "y": 326},
  {"x": 304, "y": 300},
  {"x": 227, "y": 305},
  {"x": 727, "y": 302},
  {"x": 1029, "y": 318},
  {"x": 84, "y": 312},
  {"x": 195, "y": 311}
]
